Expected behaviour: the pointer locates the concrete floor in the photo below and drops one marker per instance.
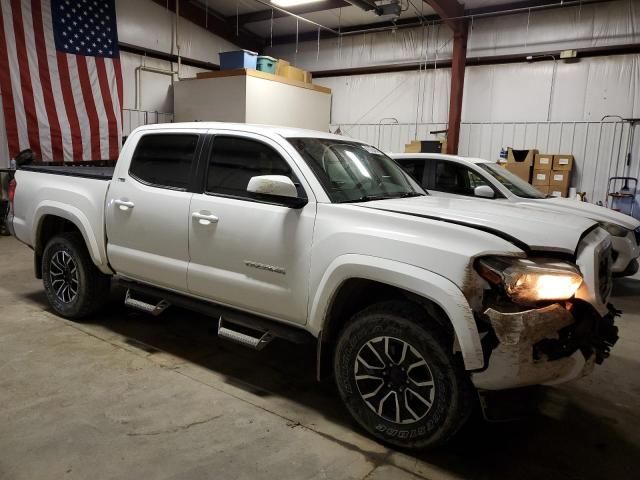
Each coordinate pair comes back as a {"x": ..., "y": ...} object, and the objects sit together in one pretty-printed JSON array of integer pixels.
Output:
[{"x": 124, "y": 395}]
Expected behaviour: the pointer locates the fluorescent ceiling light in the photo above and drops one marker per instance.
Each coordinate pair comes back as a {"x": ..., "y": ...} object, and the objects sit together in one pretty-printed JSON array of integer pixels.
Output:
[{"x": 292, "y": 3}]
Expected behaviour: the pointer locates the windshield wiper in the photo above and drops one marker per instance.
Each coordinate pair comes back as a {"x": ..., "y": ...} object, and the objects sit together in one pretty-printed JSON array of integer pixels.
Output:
[
  {"x": 369, "y": 198},
  {"x": 408, "y": 194},
  {"x": 365, "y": 198}
]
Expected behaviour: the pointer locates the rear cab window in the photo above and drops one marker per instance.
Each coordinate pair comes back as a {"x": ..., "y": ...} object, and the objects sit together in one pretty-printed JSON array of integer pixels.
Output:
[{"x": 165, "y": 160}]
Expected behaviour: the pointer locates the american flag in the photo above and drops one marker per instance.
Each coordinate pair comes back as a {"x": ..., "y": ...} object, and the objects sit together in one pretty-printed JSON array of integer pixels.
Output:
[{"x": 61, "y": 79}]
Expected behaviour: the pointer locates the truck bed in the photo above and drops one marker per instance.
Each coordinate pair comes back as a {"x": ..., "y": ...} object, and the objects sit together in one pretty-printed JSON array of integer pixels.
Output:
[{"x": 97, "y": 173}]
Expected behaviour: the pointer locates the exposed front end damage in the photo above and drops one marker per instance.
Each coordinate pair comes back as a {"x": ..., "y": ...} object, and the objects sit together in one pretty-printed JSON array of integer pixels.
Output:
[
  {"x": 528, "y": 342},
  {"x": 546, "y": 345}
]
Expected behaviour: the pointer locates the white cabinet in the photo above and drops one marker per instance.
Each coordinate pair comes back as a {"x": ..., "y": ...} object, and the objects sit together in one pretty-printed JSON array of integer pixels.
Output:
[{"x": 250, "y": 96}]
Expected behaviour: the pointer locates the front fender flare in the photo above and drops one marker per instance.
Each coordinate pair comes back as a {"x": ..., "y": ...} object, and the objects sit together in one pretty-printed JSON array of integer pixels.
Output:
[{"x": 416, "y": 280}]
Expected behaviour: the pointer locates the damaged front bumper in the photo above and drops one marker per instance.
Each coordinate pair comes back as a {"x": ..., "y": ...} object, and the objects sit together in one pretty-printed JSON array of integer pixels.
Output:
[{"x": 546, "y": 345}]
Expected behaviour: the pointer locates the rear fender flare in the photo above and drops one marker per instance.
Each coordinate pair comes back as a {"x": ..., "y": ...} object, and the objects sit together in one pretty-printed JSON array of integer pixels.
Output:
[{"x": 80, "y": 220}]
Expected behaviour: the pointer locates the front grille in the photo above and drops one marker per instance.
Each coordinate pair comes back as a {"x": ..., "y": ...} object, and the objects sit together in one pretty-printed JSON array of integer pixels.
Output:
[
  {"x": 637, "y": 234},
  {"x": 605, "y": 283}
]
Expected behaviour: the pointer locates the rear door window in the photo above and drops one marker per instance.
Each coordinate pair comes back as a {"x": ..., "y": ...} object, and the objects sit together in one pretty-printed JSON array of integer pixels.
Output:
[{"x": 164, "y": 159}]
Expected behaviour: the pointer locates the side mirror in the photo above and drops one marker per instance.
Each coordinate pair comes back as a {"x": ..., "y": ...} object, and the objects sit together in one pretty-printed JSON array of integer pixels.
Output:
[
  {"x": 276, "y": 189},
  {"x": 484, "y": 191}
]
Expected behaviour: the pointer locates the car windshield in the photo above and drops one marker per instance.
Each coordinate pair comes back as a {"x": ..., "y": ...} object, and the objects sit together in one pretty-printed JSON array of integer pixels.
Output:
[
  {"x": 355, "y": 172},
  {"x": 515, "y": 184}
]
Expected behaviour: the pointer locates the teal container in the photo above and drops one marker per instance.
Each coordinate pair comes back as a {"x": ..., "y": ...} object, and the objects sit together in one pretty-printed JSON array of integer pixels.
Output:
[{"x": 267, "y": 64}]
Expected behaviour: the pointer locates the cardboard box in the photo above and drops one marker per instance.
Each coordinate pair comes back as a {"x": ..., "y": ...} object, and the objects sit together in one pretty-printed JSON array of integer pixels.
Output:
[
  {"x": 557, "y": 192},
  {"x": 524, "y": 157},
  {"x": 540, "y": 177},
  {"x": 423, "y": 146},
  {"x": 551, "y": 191},
  {"x": 559, "y": 178},
  {"x": 413, "y": 147},
  {"x": 563, "y": 162},
  {"x": 281, "y": 67},
  {"x": 559, "y": 182},
  {"x": 544, "y": 189},
  {"x": 543, "y": 161},
  {"x": 521, "y": 170},
  {"x": 295, "y": 73}
]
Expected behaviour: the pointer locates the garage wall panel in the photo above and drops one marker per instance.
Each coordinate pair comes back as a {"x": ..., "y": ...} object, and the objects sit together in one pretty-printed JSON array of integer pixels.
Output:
[
  {"x": 586, "y": 90},
  {"x": 146, "y": 24}
]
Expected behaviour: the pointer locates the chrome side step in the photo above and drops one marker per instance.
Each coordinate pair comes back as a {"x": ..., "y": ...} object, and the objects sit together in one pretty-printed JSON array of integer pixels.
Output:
[
  {"x": 256, "y": 343},
  {"x": 154, "y": 310}
]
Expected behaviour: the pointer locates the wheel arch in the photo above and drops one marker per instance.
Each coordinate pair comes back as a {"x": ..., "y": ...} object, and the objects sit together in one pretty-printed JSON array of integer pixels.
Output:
[
  {"x": 50, "y": 219},
  {"x": 353, "y": 282}
]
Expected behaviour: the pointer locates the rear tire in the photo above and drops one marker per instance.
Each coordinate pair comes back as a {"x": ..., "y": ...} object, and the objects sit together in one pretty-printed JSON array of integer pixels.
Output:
[
  {"x": 424, "y": 395},
  {"x": 74, "y": 286}
]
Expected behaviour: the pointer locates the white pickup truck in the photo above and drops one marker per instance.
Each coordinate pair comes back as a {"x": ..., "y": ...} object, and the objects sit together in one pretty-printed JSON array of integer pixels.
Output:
[{"x": 413, "y": 302}]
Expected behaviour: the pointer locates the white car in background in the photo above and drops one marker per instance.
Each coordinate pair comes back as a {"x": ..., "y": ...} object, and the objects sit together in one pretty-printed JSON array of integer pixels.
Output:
[{"x": 453, "y": 175}]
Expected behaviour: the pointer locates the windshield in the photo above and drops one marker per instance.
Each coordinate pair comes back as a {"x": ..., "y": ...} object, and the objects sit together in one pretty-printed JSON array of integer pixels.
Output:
[
  {"x": 354, "y": 172},
  {"x": 515, "y": 184}
]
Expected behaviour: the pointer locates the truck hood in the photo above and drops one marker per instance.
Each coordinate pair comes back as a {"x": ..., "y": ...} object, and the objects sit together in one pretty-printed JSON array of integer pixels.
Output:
[
  {"x": 533, "y": 229},
  {"x": 588, "y": 210}
]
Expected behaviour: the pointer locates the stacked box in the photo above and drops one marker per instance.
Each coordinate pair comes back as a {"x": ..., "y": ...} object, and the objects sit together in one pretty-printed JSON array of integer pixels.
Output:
[
  {"x": 285, "y": 69},
  {"x": 543, "y": 161},
  {"x": 540, "y": 178},
  {"x": 520, "y": 162},
  {"x": 550, "y": 173},
  {"x": 559, "y": 182},
  {"x": 425, "y": 146}
]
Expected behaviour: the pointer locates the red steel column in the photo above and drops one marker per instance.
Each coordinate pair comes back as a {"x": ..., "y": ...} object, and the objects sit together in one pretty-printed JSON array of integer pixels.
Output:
[{"x": 458, "y": 62}]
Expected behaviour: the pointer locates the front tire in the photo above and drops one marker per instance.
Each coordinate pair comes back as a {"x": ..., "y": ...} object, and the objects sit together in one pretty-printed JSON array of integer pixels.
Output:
[
  {"x": 74, "y": 286},
  {"x": 398, "y": 377}
]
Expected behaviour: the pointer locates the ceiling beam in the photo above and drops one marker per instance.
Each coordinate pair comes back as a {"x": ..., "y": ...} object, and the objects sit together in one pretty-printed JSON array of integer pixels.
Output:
[
  {"x": 268, "y": 14},
  {"x": 215, "y": 23},
  {"x": 447, "y": 10}
]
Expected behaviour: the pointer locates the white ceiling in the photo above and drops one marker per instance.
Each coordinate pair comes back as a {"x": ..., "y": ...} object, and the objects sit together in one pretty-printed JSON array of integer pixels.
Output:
[{"x": 349, "y": 16}]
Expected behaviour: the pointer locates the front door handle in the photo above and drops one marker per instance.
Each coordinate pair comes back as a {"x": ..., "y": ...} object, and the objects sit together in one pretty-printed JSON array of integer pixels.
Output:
[
  {"x": 204, "y": 218},
  {"x": 124, "y": 204}
]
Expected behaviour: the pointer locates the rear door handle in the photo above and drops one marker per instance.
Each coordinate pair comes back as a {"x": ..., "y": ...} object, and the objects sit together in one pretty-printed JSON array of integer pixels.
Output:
[
  {"x": 204, "y": 218},
  {"x": 124, "y": 205}
]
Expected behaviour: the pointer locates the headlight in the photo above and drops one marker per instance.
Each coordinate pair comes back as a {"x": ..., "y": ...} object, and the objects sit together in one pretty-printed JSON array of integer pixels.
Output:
[
  {"x": 615, "y": 230},
  {"x": 528, "y": 281}
]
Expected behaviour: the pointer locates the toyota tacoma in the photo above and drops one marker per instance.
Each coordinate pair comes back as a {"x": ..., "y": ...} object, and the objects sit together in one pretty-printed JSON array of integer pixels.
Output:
[{"x": 413, "y": 303}]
